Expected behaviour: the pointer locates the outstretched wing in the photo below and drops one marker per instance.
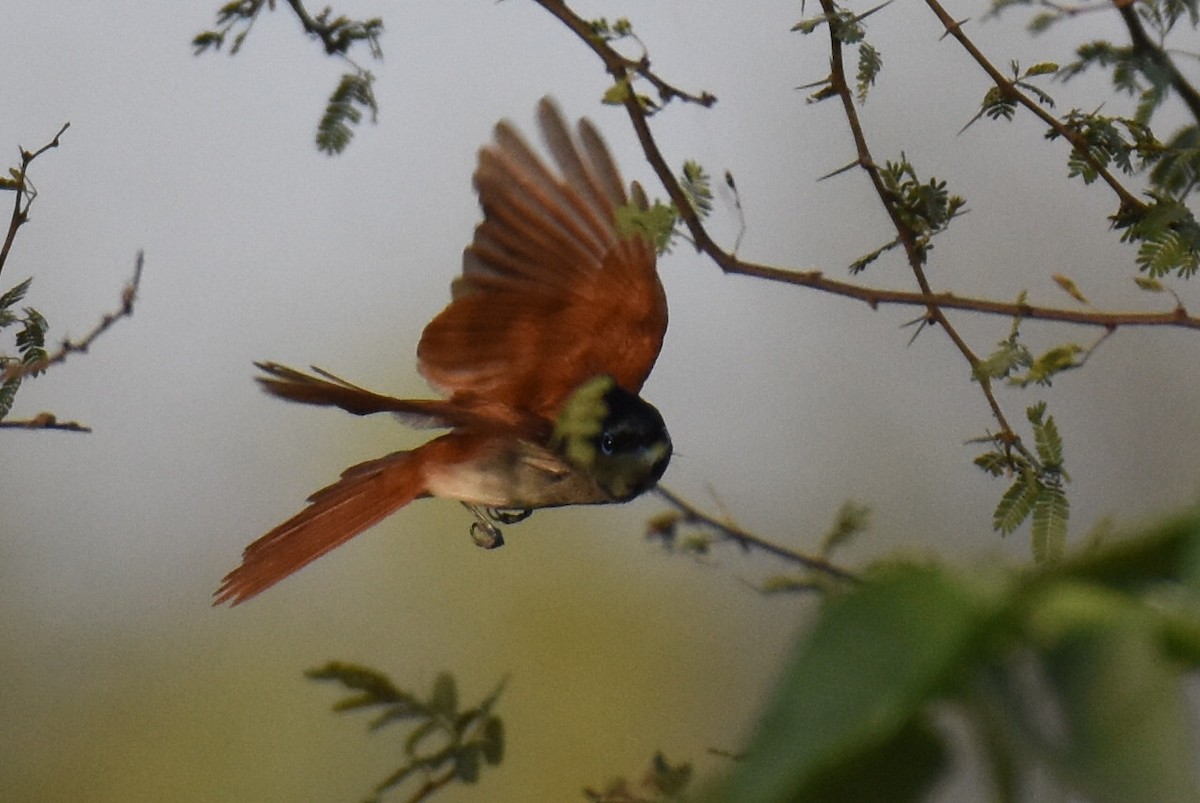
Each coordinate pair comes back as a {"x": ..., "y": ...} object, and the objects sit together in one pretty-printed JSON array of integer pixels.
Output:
[{"x": 550, "y": 294}]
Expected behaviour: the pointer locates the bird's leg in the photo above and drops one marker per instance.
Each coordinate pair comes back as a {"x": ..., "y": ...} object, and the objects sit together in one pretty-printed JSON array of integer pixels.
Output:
[
  {"x": 508, "y": 515},
  {"x": 483, "y": 531}
]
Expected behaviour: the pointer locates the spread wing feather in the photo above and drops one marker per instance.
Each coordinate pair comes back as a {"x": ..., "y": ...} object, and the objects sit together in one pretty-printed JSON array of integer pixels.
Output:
[{"x": 551, "y": 293}]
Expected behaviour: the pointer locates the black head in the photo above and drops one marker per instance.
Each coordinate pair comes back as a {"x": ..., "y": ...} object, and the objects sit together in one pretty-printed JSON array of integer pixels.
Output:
[{"x": 614, "y": 435}]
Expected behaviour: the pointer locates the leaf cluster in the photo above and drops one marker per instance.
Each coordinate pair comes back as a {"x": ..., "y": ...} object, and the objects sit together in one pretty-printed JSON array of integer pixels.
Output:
[
  {"x": 444, "y": 744},
  {"x": 1014, "y": 362},
  {"x": 30, "y": 342},
  {"x": 924, "y": 208},
  {"x": 338, "y": 35},
  {"x": 353, "y": 96},
  {"x": 659, "y": 222},
  {"x": 848, "y": 28},
  {"x": 1001, "y": 102},
  {"x": 605, "y": 31},
  {"x": 1036, "y": 493},
  {"x": 1102, "y": 640}
]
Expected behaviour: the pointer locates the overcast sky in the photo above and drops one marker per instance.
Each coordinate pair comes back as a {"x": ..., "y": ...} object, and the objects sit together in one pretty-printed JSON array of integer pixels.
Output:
[{"x": 118, "y": 682}]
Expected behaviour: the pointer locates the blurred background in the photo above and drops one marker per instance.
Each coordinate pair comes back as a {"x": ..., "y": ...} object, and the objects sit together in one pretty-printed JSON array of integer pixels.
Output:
[{"x": 119, "y": 682}]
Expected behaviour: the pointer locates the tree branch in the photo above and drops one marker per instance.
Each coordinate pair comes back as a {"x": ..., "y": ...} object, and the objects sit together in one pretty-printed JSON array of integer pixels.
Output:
[
  {"x": 748, "y": 540},
  {"x": 618, "y": 66},
  {"x": 1143, "y": 45},
  {"x": 68, "y": 346},
  {"x": 1129, "y": 203},
  {"x": 23, "y": 190}
]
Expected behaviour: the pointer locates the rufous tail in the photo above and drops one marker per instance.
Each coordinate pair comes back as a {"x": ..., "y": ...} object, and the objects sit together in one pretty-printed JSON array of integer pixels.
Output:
[{"x": 365, "y": 495}]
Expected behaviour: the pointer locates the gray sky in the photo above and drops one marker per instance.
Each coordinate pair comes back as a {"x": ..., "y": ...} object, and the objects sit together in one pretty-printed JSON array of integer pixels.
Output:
[{"x": 125, "y": 685}]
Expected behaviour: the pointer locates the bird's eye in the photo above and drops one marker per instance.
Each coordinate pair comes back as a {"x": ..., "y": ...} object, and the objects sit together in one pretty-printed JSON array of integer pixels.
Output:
[{"x": 608, "y": 443}]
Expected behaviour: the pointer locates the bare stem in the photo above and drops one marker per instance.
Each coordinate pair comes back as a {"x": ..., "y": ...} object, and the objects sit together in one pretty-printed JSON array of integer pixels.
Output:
[
  {"x": 23, "y": 192},
  {"x": 128, "y": 296},
  {"x": 748, "y": 540}
]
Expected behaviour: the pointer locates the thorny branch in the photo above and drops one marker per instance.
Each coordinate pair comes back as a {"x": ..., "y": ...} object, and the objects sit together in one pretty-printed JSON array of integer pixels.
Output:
[
  {"x": 1128, "y": 201},
  {"x": 935, "y": 304},
  {"x": 17, "y": 370},
  {"x": 1146, "y": 48},
  {"x": 619, "y": 67}
]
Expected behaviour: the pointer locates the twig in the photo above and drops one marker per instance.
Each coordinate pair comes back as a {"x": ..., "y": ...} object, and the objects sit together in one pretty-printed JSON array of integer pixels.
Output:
[
  {"x": 1129, "y": 202},
  {"x": 45, "y": 421},
  {"x": 128, "y": 295},
  {"x": 335, "y": 37},
  {"x": 617, "y": 65},
  {"x": 748, "y": 540},
  {"x": 1143, "y": 46},
  {"x": 24, "y": 191},
  {"x": 432, "y": 784}
]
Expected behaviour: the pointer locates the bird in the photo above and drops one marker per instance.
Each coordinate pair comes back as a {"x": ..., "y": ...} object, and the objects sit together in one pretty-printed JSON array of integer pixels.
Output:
[{"x": 552, "y": 328}]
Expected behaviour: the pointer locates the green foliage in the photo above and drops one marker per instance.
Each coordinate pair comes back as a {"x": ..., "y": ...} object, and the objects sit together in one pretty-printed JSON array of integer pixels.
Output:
[
  {"x": 656, "y": 223},
  {"x": 847, "y": 28},
  {"x": 621, "y": 89},
  {"x": 337, "y": 35},
  {"x": 1001, "y": 103},
  {"x": 30, "y": 341},
  {"x": 660, "y": 222},
  {"x": 845, "y": 25},
  {"x": 1036, "y": 493},
  {"x": 1009, "y": 355},
  {"x": 349, "y": 100},
  {"x": 1102, "y": 640},
  {"x": 620, "y": 28},
  {"x": 869, "y": 65},
  {"x": 445, "y": 744},
  {"x": 697, "y": 186},
  {"x": 851, "y": 520},
  {"x": 1109, "y": 141},
  {"x": 1168, "y": 234},
  {"x": 925, "y": 208},
  {"x": 1177, "y": 168}
]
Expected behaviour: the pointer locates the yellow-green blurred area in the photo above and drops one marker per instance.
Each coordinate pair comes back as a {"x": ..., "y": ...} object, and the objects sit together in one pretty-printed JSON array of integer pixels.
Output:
[{"x": 118, "y": 681}]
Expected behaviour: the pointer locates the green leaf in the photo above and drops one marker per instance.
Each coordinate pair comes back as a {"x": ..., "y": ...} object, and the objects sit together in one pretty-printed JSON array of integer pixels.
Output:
[
  {"x": 995, "y": 463},
  {"x": 13, "y": 297},
  {"x": 8, "y": 392},
  {"x": 353, "y": 96},
  {"x": 697, "y": 186},
  {"x": 910, "y": 761},
  {"x": 1042, "y": 68},
  {"x": 852, "y": 518},
  {"x": 361, "y": 678},
  {"x": 869, "y": 65},
  {"x": 491, "y": 742},
  {"x": 656, "y": 224},
  {"x": 1069, "y": 287},
  {"x": 1049, "y": 528},
  {"x": 444, "y": 699},
  {"x": 1016, "y": 503},
  {"x": 855, "y": 692},
  {"x": 467, "y": 763},
  {"x": 1046, "y": 437},
  {"x": 1119, "y": 699}
]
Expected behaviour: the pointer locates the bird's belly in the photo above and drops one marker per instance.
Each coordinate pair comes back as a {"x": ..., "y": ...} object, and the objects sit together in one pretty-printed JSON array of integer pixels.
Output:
[{"x": 514, "y": 474}]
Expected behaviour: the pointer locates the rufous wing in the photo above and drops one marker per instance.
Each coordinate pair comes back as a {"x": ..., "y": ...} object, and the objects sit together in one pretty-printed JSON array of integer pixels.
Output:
[{"x": 551, "y": 293}]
